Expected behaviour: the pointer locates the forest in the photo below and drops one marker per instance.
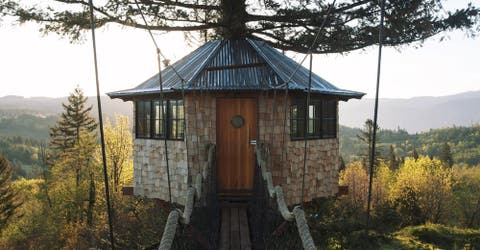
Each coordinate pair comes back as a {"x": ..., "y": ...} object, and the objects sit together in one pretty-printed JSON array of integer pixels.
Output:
[{"x": 426, "y": 188}]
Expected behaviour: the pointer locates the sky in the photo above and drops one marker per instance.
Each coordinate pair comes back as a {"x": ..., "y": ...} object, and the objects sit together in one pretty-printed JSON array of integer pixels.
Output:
[{"x": 35, "y": 65}]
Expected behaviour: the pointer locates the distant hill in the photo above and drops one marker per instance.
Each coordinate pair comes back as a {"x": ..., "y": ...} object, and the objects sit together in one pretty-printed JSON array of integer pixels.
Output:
[
  {"x": 464, "y": 143},
  {"x": 415, "y": 114},
  {"x": 47, "y": 106}
]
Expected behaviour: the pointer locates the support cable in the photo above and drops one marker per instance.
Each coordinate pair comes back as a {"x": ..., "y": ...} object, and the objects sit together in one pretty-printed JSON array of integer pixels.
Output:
[
  {"x": 375, "y": 113},
  {"x": 185, "y": 137},
  {"x": 155, "y": 42},
  {"x": 195, "y": 123},
  {"x": 315, "y": 40},
  {"x": 102, "y": 136},
  {"x": 285, "y": 100},
  {"x": 305, "y": 133},
  {"x": 162, "y": 98}
]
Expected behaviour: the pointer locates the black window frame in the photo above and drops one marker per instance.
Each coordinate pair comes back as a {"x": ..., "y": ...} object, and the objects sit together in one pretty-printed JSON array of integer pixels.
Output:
[
  {"x": 324, "y": 112},
  {"x": 165, "y": 122}
]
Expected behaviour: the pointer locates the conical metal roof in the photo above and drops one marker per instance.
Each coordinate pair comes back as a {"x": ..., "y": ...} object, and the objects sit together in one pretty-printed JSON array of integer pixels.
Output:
[{"x": 235, "y": 65}]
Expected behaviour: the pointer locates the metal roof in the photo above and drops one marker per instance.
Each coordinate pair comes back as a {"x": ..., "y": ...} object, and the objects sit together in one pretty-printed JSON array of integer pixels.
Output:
[{"x": 235, "y": 65}]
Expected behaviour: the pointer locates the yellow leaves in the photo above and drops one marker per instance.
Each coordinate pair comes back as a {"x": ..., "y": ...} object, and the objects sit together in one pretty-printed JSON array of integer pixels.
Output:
[
  {"x": 119, "y": 150},
  {"x": 423, "y": 183}
]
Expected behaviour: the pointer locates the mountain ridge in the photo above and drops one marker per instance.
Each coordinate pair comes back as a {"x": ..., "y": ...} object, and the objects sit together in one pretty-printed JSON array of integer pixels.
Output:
[{"x": 415, "y": 114}]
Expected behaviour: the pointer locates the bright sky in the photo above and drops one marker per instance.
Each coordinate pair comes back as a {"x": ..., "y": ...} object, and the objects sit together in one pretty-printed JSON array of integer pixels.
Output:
[{"x": 36, "y": 65}]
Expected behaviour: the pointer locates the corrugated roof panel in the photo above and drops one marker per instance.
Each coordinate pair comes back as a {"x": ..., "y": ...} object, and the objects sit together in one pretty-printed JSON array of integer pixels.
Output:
[{"x": 235, "y": 65}]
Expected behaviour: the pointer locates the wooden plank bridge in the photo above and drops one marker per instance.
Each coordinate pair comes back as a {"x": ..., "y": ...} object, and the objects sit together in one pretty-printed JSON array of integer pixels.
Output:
[{"x": 234, "y": 229}]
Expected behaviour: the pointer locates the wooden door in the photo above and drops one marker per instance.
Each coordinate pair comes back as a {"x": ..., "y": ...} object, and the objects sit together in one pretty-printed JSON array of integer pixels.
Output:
[{"x": 236, "y": 128}]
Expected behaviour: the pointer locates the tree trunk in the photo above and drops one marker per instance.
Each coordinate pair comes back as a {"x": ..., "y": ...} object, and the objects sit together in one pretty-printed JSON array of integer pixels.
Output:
[
  {"x": 91, "y": 201},
  {"x": 234, "y": 16}
]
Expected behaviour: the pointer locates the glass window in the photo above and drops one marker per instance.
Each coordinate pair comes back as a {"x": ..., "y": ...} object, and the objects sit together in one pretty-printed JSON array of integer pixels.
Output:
[
  {"x": 176, "y": 119},
  {"x": 158, "y": 121},
  {"x": 330, "y": 119},
  {"x": 321, "y": 117},
  {"x": 143, "y": 119},
  {"x": 154, "y": 120}
]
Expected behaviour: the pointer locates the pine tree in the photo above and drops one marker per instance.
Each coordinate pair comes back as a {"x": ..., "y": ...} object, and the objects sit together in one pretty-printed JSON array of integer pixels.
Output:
[
  {"x": 392, "y": 158},
  {"x": 342, "y": 164},
  {"x": 75, "y": 119},
  {"x": 415, "y": 154},
  {"x": 446, "y": 155},
  {"x": 73, "y": 144},
  {"x": 366, "y": 136},
  {"x": 8, "y": 198},
  {"x": 287, "y": 25}
]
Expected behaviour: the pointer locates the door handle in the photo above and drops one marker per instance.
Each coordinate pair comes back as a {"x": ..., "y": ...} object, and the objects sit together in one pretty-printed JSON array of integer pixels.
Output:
[{"x": 253, "y": 142}]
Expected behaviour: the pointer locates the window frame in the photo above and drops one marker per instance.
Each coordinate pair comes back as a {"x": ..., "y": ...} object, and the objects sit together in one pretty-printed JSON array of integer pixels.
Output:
[
  {"x": 165, "y": 121},
  {"x": 320, "y": 116}
]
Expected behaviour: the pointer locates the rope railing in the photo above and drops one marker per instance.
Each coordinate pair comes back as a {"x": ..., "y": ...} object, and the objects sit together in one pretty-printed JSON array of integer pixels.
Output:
[
  {"x": 276, "y": 193},
  {"x": 177, "y": 216}
]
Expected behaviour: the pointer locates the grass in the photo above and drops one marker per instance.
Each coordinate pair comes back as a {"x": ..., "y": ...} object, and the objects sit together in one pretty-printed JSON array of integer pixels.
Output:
[{"x": 433, "y": 236}]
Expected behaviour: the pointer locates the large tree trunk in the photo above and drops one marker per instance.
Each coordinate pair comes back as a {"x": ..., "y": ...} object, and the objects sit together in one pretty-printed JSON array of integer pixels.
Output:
[{"x": 234, "y": 16}]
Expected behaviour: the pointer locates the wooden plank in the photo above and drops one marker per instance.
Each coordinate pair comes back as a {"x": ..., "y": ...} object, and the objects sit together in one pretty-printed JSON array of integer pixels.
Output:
[
  {"x": 225, "y": 229},
  {"x": 244, "y": 230},
  {"x": 235, "y": 229}
]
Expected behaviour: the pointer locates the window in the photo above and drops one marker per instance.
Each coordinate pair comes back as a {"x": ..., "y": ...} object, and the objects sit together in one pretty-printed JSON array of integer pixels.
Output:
[
  {"x": 143, "y": 119},
  {"x": 159, "y": 120},
  {"x": 176, "y": 119},
  {"x": 321, "y": 119},
  {"x": 329, "y": 119}
]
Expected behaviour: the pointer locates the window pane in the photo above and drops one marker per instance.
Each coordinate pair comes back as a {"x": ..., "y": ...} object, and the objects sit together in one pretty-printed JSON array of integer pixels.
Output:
[
  {"x": 294, "y": 113},
  {"x": 180, "y": 110},
  {"x": 176, "y": 119},
  {"x": 330, "y": 119},
  {"x": 329, "y": 128},
  {"x": 143, "y": 118},
  {"x": 159, "y": 126}
]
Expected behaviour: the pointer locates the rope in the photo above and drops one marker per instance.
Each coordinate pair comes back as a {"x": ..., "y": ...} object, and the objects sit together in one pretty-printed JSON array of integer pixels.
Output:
[
  {"x": 375, "y": 113},
  {"x": 175, "y": 216},
  {"x": 169, "y": 231},
  {"x": 297, "y": 215},
  {"x": 100, "y": 121}
]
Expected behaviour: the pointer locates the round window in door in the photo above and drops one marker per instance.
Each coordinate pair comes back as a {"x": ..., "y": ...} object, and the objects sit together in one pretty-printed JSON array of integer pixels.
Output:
[{"x": 237, "y": 121}]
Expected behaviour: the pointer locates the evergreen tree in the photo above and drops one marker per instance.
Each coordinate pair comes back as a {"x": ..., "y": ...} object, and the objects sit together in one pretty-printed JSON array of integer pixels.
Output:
[
  {"x": 392, "y": 159},
  {"x": 287, "y": 25},
  {"x": 446, "y": 155},
  {"x": 8, "y": 198},
  {"x": 366, "y": 136},
  {"x": 415, "y": 154},
  {"x": 342, "y": 165},
  {"x": 75, "y": 119},
  {"x": 73, "y": 144}
]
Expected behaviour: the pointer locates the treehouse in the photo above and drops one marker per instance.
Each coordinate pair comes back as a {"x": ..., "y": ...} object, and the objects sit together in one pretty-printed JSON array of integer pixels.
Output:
[{"x": 235, "y": 94}]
